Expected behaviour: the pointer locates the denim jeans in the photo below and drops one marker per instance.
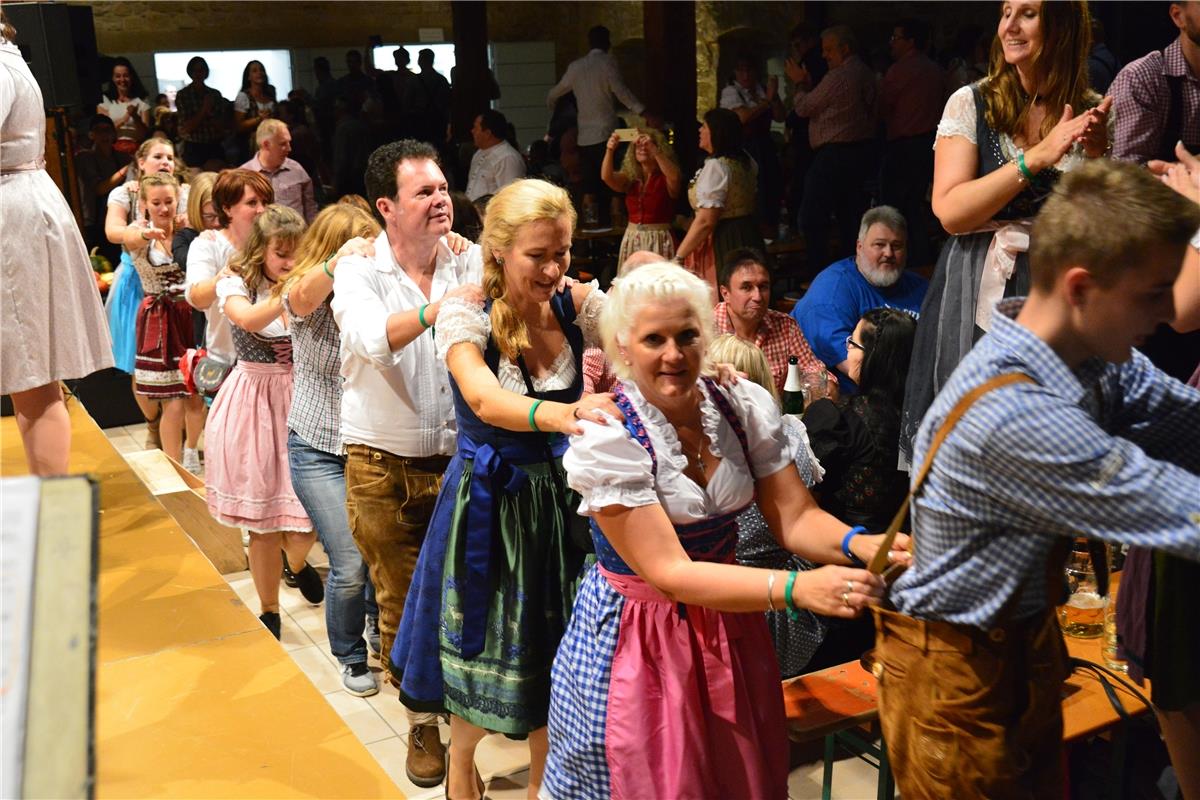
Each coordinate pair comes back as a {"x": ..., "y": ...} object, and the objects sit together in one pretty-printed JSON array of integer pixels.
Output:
[{"x": 319, "y": 479}]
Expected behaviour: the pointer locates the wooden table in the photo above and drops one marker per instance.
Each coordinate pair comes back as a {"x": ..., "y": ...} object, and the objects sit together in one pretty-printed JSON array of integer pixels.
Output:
[
  {"x": 833, "y": 702},
  {"x": 194, "y": 698}
]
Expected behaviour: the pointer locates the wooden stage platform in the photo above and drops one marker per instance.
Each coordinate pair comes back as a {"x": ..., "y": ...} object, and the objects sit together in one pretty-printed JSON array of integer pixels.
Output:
[{"x": 194, "y": 698}]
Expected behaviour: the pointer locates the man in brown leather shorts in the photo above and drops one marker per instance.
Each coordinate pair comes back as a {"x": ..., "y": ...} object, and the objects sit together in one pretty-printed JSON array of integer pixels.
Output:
[{"x": 1057, "y": 429}]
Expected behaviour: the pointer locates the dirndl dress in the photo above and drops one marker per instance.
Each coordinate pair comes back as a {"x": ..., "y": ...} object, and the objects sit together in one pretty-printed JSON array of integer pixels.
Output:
[
  {"x": 496, "y": 577},
  {"x": 51, "y": 322},
  {"x": 164, "y": 326},
  {"x": 654, "y": 700},
  {"x": 728, "y": 184},
  {"x": 247, "y": 479},
  {"x": 651, "y": 209}
]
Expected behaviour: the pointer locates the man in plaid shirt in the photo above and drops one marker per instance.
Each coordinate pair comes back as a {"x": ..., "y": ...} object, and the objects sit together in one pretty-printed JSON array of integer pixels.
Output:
[
  {"x": 1097, "y": 443},
  {"x": 745, "y": 311},
  {"x": 1156, "y": 99}
]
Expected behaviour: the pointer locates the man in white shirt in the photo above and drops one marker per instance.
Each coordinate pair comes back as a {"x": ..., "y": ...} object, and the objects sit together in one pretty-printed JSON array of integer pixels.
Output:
[
  {"x": 293, "y": 186},
  {"x": 496, "y": 163},
  {"x": 398, "y": 425},
  {"x": 595, "y": 80}
]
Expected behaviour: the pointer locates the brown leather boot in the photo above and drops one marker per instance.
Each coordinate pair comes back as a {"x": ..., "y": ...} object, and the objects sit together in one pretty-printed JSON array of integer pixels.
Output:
[{"x": 426, "y": 763}]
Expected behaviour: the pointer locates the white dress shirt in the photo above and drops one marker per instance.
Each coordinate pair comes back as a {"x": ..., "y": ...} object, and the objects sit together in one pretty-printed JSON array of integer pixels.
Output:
[
  {"x": 206, "y": 257},
  {"x": 398, "y": 401},
  {"x": 595, "y": 79},
  {"x": 494, "y": 168}
]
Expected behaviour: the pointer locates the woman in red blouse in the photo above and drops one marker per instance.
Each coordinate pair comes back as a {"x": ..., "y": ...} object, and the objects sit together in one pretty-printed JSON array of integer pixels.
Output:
[{"x": 649, "y": 178}]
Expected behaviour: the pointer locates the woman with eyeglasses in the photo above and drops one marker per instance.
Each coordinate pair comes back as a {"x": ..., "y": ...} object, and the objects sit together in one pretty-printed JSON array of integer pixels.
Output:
[{"x": 856, "y": 437}]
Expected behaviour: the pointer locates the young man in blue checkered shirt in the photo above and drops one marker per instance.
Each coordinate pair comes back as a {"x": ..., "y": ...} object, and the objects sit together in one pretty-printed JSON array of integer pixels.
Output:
[{"x": 1098, "y": 443}]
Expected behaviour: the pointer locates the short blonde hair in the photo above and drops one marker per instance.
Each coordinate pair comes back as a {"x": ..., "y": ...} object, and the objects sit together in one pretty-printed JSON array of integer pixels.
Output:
[
  {"x": 514, "y": 206},
  {"x": 268, "y": 128},
  {"x": 652, "y": 283},
  {"x": 744, "y": 357},
  {"x": 1105, "y": 216},
  {"x": 200, "y": 193}
]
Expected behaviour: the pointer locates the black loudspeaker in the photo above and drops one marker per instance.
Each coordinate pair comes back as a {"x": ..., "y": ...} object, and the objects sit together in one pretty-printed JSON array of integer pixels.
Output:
[{"x": 59, "y": 42}]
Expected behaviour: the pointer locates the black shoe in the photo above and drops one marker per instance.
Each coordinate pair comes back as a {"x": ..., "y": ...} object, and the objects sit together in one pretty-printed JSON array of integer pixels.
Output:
[
  {"x": 271, "y": 622},
  {"x": 307, "y": 580}
]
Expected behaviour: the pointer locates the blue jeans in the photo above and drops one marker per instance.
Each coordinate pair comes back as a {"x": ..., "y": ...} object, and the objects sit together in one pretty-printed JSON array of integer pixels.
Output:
[{"x": 319, "y": 479}]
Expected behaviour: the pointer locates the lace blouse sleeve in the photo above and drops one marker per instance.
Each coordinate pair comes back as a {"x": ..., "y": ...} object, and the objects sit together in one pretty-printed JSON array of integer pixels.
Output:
[
  {"x": 958, "y": 119},
  {"x": 607, "y": 467},
  {"x": 460, "y": 321},
  {"x": 588, "y": 318},
  {"x": 712, "y": 184}
]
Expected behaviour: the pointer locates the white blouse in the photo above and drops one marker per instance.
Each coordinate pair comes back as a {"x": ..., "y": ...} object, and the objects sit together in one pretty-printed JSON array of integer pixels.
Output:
[
  {"x": 460, "y": 321},
  {"x": 607, "y": 466},
  {"x": 958, "y": 119},
  {"x": 712, "y": 184},
  {"x": 234, "y": 286}
]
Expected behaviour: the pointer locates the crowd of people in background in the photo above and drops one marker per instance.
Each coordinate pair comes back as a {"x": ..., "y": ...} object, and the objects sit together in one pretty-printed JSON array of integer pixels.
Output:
[{"x": 378, "y": 334}]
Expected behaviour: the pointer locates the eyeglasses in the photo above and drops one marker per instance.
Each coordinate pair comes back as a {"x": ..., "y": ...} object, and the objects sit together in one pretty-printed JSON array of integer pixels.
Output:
[{"x": 851, "y": 343}]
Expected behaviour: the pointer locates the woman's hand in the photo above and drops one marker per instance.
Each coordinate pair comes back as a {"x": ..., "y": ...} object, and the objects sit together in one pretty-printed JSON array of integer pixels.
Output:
[
  {"x": 457, "y": 243},
  {"x": 594, "y": 407},
  {"x": 837, "y": 591},
  {"x": 728, "y": 375},
  {"x": 1095, "y": 134},
  {"x": 613, "y": 141},
  {"x": 1062, "y": 136},
  {"x": 864, "y": 547}
]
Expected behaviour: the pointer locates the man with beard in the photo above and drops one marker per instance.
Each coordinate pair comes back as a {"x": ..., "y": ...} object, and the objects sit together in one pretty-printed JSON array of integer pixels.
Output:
[
  {"x": 398, "y": 426},
  {"x": 745, "y": 311},
  {"x": 846, "y": 289}
]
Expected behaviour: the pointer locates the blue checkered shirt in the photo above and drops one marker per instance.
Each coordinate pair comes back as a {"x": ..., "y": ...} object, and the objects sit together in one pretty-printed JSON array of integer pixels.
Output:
[
  {"x": 1107, "y": 451},
  {"x": 316, "y": 410}
]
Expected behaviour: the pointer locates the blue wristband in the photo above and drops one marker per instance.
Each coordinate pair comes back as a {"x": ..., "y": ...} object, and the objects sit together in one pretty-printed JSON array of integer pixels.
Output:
[{"x": 850, "y": 534}]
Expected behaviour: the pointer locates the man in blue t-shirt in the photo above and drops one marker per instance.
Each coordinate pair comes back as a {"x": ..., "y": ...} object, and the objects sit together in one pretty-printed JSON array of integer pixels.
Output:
[{"x": 847, "y": 289}]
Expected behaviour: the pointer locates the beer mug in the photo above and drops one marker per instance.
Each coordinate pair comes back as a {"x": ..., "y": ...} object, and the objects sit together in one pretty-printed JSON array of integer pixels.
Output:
[{"x": 1083, "y": 614}]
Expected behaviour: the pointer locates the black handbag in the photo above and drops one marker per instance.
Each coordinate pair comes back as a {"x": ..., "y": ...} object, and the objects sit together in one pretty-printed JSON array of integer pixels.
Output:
[{"x": 210, "y": 373}]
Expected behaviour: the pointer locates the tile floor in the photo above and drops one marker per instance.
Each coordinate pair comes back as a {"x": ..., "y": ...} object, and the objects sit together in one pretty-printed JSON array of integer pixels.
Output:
[{"x": 379, "y": 721}]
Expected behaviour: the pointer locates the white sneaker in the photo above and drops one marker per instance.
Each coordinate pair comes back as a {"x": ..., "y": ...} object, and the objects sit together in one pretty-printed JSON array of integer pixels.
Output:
[
  {"x": 191, "y": 460},
  {"x": 359, "y": 681}
]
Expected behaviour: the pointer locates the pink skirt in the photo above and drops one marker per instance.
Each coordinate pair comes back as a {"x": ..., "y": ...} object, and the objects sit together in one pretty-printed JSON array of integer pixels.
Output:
[
  {"x": 708, "y": 718},
  {"x": 248, "y": 482}
]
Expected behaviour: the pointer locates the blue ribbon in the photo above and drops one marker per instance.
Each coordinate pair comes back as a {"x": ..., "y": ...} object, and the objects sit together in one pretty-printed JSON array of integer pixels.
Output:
[{"x": 495, "y": 471}]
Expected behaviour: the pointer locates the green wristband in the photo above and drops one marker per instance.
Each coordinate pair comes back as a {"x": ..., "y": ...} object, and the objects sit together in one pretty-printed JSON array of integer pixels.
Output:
[
  {"x": 792, "y": 612},
  {"x": 421, "y": 316},
  {"x": 533, "y": 410},
  {"x": 325, "y": 267},
  {"x": 1024, "y": 169}
]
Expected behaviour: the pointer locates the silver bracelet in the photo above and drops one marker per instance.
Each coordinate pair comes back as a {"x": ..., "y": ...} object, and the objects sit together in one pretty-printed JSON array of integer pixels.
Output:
[{"x": 771, "y": 590}]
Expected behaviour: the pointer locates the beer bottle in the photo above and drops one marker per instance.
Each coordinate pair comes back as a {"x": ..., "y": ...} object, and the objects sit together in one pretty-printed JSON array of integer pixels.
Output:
[{"x": 793, "y": 389}]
